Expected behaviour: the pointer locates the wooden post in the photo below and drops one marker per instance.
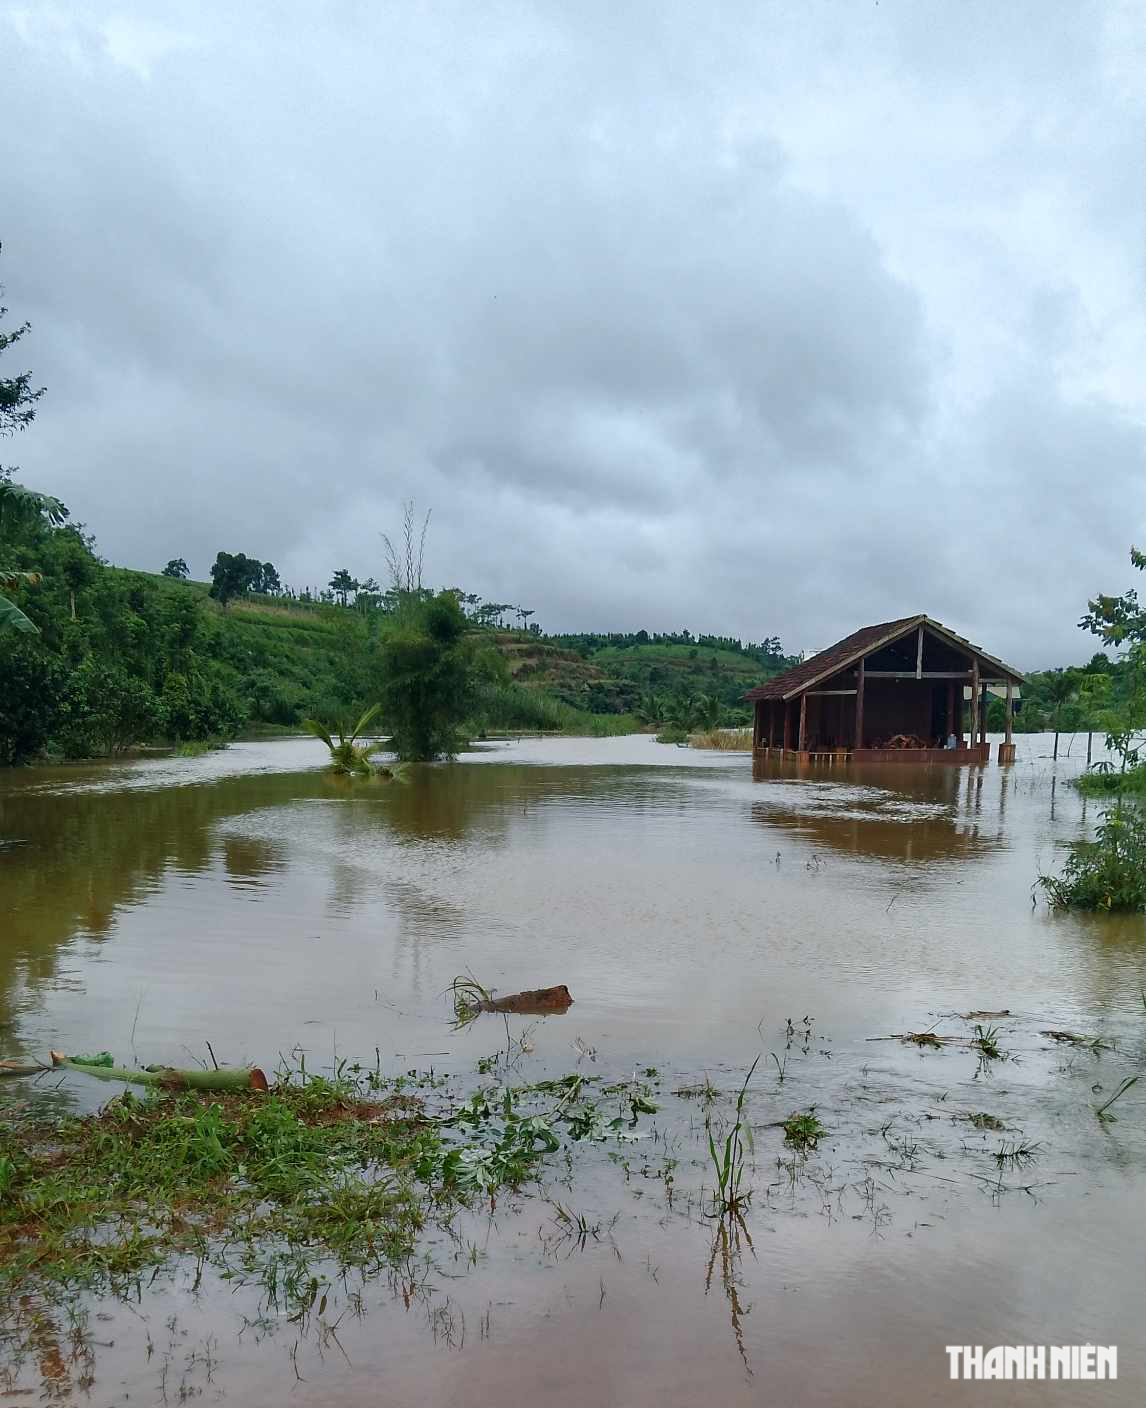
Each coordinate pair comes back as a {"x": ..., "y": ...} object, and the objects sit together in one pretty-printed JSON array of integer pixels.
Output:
[
  {"x": 803, "y": 721},
  {"x": 973, "y": 722},
  {"x": 1007, "y": 747},
  {"x": 757, "y": 722},
  {"x": 953, "y": 720},
  {"x": 787, "y": 724},
  {"x": 859, "y": 704},
  {"x": 919, "y": 654}
]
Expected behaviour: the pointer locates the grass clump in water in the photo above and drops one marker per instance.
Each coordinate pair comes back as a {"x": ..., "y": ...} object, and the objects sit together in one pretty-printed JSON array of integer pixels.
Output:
[
  {"x": 728, "y": 1161},
  {"x": 727, "y": 740},
  {"x": 803, "y": 1131},
  {"x": 340, "y": 1174}
]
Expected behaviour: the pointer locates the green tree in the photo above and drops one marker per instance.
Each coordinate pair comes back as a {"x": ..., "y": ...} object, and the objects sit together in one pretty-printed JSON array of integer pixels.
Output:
[
  {"x": 233, "y": 574},
  {"x": 1121, "y": 621},
  {"x": 104, "y": 710},
  {"x": 32, "y": 679},
  {"x": 17, "y": 399},
  {"x": 19, "y": 507},
  {"x": 342, "y": 584},
  {"x": 178, "y": 568},
  {"x": 430, "y": 677},
  {"x": 269, "y": 582}
]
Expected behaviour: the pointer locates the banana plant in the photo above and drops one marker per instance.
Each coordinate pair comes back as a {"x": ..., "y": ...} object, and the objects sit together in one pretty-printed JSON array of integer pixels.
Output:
[
  {"x": 19, "y": 507},
  {"x": 707, "y": 708}
]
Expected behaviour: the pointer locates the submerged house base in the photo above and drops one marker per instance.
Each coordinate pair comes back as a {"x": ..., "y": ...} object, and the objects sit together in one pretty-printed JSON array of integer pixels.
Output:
[
  {"x": 907, "y": 691},
  {"x": 959, "y": 756}
]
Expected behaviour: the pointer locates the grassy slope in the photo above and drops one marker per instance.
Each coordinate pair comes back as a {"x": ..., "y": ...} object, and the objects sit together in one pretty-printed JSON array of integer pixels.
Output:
[{"x": 299, "y": 655}]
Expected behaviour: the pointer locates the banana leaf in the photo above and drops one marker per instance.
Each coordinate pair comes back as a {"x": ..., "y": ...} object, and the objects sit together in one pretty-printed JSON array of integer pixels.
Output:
[{"x": 12, "y": 618}]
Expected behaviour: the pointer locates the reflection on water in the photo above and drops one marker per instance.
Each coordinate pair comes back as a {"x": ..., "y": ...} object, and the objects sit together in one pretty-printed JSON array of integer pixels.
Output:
[{"x": 692, "y": 904}]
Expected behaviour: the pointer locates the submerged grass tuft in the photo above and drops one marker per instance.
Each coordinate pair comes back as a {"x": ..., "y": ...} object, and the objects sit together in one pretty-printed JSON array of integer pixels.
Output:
[
  {"x": 803, "y": 1131},
  {"x": 728, "y": 1161},
  {"x": 319, "y": 1177}
]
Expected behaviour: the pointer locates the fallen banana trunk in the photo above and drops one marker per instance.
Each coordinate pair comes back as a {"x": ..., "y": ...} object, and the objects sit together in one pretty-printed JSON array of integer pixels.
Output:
[{"x": 168, "y": 1077}]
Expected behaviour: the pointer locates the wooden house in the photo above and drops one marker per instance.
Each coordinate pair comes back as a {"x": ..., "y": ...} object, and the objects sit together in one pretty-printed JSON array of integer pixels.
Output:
[{"x": 905, "y": 691}]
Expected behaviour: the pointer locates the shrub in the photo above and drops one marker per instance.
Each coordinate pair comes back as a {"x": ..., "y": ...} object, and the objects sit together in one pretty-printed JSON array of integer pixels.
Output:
[
  {"x": 431, "y": 673},
  {"x": 104, "y": 710},
  {"x": 193, "y": 706},
  {"x": 1108, "y": 873}
]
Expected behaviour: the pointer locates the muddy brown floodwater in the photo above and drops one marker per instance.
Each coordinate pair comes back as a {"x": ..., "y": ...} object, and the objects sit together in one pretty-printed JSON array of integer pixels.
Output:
[{"x": 701, "y": 917}]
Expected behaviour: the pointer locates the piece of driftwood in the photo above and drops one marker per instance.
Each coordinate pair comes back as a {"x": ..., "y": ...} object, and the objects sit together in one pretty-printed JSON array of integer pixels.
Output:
[
  {"x": 21, "y": 1068},
  {"x": 169, "y": 1077},
  {"x": 535, "y": 1002}
]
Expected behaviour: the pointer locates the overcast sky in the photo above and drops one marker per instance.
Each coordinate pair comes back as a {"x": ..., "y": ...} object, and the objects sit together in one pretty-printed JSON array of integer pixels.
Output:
[{"x": 755, "y": 318}]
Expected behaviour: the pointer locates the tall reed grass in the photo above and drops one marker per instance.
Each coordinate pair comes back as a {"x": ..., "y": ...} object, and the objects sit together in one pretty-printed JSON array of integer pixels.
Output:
[{"x": 725, "y": 740}]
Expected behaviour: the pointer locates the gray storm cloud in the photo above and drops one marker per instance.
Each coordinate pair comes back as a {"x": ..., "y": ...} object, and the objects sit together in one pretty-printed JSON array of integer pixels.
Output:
[{"x": 768, "y": 319}]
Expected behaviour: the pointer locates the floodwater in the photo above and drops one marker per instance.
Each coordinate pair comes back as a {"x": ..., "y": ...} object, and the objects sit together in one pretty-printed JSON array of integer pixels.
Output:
[{"x": 702, "y": 916}]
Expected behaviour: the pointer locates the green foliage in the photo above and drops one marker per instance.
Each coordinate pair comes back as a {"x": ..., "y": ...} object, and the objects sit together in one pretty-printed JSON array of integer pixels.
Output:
[
  {"x": 192, "y": 705},
  {"x": 17, "y": 399},
  {"x": 31, "y": 682},
  {"x": 1106, "y": 781},
  {"x": 430, "y": 673},
  {"x": 178, "y": 569},
  {"x": 233, "y": 575},
  {"x": 1108, "y": 873},
  {"x": 342, "y": 584},
  {"x": 803, "y": 1131},
  {"x": 103, "y": 710}
]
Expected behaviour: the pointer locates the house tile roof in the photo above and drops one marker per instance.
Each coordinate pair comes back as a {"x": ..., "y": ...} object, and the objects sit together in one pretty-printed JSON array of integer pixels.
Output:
[{"x": 862, "y": 642}]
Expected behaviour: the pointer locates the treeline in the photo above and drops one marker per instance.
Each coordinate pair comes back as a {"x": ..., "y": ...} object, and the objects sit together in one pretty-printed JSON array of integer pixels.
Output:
[
  {"x": 768, "y": 652},
  {"x": 1077, "y": 699},
  {"x": 120, "y": 657}
]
